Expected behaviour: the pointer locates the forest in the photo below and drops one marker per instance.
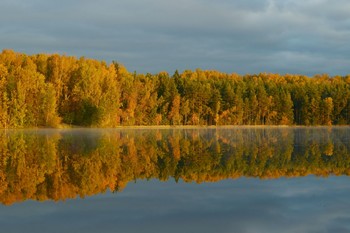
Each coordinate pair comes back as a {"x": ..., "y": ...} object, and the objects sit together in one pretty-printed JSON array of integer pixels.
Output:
[
  {"x": 65, "y": 164},
  {"x": 45, "y": 90}
]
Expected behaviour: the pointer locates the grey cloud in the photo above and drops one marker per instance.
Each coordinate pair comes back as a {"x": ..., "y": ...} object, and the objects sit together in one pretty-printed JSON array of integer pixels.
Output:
[{"x": 305, "y": 37}]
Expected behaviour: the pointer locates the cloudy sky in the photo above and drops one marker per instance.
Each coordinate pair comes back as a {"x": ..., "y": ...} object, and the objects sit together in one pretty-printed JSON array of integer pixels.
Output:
[{"x": 242, "y": 36}]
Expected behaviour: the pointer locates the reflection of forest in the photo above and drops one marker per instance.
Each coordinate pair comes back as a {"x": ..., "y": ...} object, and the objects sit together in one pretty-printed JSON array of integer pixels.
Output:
[{"x": 63, "y": 164}]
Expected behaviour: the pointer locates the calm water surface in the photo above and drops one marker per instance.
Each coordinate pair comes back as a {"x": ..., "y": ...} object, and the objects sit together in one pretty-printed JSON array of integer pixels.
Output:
[{"x": 175, "y": 180}]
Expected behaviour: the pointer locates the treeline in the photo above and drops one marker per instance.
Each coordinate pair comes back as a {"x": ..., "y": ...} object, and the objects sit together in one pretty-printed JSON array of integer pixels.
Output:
[
  {"x": 48, "y": 90},
  {"x": 65, "y": 164}
]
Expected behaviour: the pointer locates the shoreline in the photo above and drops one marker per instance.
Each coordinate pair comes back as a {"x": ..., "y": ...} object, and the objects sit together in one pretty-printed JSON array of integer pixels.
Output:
[{"x": 177, "y": 127}]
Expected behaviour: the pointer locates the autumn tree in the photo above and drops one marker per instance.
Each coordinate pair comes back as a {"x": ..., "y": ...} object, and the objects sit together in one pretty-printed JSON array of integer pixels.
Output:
[{"x": 47, "y": 90}]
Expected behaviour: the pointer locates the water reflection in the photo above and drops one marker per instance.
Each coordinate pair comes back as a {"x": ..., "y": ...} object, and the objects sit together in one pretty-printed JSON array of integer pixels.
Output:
[{"x": 61, "y": 164}]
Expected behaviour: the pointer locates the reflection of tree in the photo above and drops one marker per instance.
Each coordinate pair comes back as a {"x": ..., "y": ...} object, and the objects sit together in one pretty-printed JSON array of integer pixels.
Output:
[{"x": 63, "y": 164}]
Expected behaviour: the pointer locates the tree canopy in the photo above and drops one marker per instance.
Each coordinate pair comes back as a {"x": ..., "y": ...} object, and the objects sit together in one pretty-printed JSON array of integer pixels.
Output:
[{"x": 48, "y": 90}]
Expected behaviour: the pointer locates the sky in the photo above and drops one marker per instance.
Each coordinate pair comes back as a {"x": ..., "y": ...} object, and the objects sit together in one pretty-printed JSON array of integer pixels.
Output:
[{"x": 241, "y": 36}]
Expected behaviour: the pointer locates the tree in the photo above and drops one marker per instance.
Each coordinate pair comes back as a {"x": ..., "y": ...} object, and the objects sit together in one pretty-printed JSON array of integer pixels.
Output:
[
  {"x": 174, "y": 114},
  {"x": 327, "y": 110},
  {"x": 39, "y": 90},
  {"x": 4, "y": 117},
  {"x": 49, "y": 107}
]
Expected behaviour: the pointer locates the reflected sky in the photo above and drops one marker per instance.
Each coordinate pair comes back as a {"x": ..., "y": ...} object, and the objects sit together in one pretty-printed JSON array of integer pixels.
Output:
[{"x": 308, "y": 204}]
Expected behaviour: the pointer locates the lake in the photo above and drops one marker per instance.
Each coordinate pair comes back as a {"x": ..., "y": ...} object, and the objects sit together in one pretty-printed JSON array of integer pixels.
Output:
[{"x": 233, "y": 179}]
